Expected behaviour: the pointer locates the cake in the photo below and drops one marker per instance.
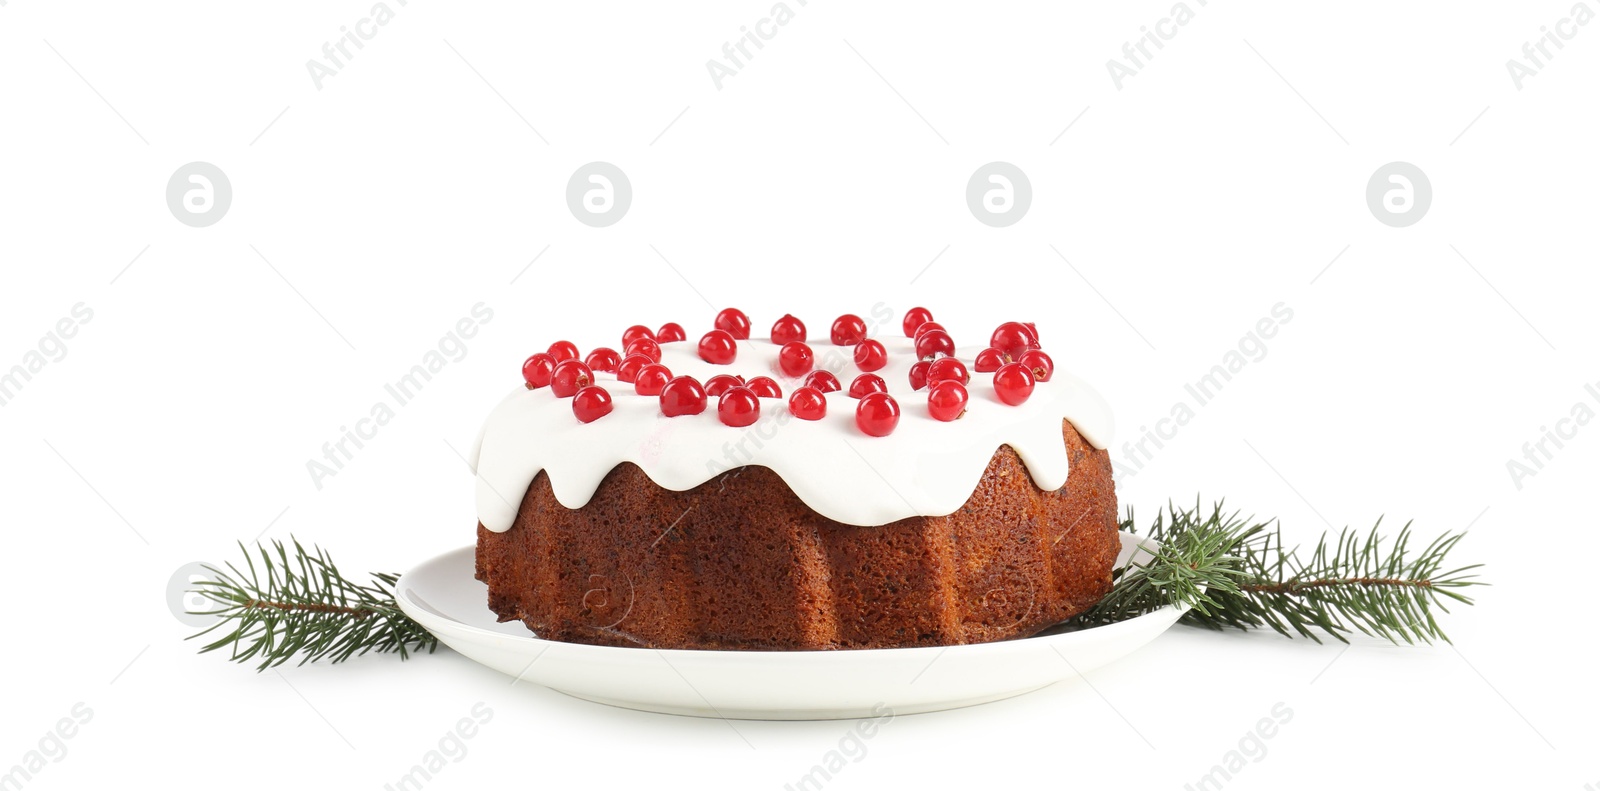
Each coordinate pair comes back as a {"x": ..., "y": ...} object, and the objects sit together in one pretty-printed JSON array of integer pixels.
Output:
[{"x": 958, "y": 495}]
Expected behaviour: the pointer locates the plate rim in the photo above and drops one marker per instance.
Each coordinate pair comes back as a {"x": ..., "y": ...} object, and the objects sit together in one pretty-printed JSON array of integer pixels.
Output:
[{"x": 434, "y": 621}]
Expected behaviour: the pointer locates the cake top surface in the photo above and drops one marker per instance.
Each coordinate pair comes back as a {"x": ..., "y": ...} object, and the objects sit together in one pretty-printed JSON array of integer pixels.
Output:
[{"x": 909, "y": 451}]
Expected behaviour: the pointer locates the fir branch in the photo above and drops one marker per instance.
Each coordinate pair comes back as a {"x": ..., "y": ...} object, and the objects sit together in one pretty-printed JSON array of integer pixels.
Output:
[
  {"x": 1237, "y": 573},
  {"x": 1199, "y": 570},
  {"x": 299, "y": 603}
]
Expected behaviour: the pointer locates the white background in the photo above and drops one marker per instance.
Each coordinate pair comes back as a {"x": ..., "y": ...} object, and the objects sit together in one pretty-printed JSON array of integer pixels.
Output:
[{"x": 829, "y": 174}]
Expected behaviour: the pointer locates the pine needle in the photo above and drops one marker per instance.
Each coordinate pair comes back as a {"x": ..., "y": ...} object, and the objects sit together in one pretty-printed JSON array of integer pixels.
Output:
[
  {"x": 1236, "y": 573},
  {"x": 300, "y": 604}
]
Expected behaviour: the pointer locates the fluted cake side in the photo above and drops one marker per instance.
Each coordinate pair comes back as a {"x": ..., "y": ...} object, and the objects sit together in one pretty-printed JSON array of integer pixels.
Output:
[{"x": 740, "y": 562}]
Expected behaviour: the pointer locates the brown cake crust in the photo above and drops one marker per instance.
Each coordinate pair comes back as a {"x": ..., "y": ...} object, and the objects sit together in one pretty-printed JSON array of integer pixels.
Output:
[{"x": 740, "y": 562}]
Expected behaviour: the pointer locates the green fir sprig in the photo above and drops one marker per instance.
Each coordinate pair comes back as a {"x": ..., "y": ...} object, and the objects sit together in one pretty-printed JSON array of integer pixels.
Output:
[
  {"x": 1237, "y": 573},
  {"x": 298, "y": 603},
  {"x": 1232, "y": 573}
]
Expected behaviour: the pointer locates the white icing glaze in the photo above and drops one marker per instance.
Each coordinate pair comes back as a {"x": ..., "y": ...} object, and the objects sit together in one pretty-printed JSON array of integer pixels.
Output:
[{"x": 925, "y": 468}]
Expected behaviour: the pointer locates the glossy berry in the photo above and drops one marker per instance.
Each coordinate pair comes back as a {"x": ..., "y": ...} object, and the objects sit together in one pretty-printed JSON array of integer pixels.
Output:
[
  {"x": 796, "y": 358},
  {"x": 1038, "y": 363},
  {"x": 927, "y": 326},
  {"x": 738, "y": 407},
  {"x": 989, "y": 361},
  {"x": 564, "y": 350},
  {"x": 877, "y": 414},
  {"x": 603, "y": 359},
  {"x": 591, "y": 403},
  {"x": 935, "y": 343},
  {"x": 848, "y": 330},
  {"x": 823, "y": 381},
  {"x": 628, "y": 369},
  {"x": 1013, "y": 383},
  {"x": 788, "y": 330},
  {"x": 651, "y": 379},
  {"x": 636, "y": 332},
  {"x": 1033, "y": 332},
  {"x": 919, "y": 374},
  {"x": 764, "y": 387},
  {"x": 717, "y": 347},
  {"x": 734, "y": 322},
  {"x": 722, "y": 383},
  {"x": 808, "y": 403},
  {"x": 670, "y": 332},
  {"x": 867, "y": 383},
  {"x": 947, "y": 400},
  {"x": 645, "y": 346},
  {"x": 569, "y": 377},
  {"x": 870, "y": 355},
  {"x": 914, "y": 319},
  {"x": 536, "y": 370},
  {"x": 682, "y": 396},
  {"x": 948, "y": 369},
  {"x": 1012, "y": 339}
]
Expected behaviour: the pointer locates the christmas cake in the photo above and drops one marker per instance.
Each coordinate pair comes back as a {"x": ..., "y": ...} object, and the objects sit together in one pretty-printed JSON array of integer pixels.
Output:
[{"x": 796, "y": 489}]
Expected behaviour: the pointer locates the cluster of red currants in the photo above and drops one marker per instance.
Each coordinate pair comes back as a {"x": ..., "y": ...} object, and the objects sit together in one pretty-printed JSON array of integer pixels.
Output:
[
  {"x": 876, "y": 412},
  {"x": 1014, "y": 358},
  {"x": 639, "y": 364}
]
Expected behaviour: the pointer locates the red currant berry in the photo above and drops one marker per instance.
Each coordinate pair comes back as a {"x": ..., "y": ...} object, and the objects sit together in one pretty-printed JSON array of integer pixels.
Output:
[
  {"x": 636, "y": 332},
  {"x": 722, "y": 383},
  {"x": 764, "y": 387},
  {"x": 734, "y": 322},
  {"x": 718, "y": 347},
  {"x": 1033, "y": 332},
  {"x": 877, "y": 414},
  {"x": 591, "y": 403},
  {"x": 808, "y": 403},
  {"x": 1013, "y": 383},
  {"x": 1038, "y": 363},
  {"x": 870, "y": 355},
  {"x": 919, "y": 374},
  {"x": 848, "y": 330},
  {"x": 564, "y": 350},
  {"x": 738, "y": 407},
  {"x": 823, "y": 381},
  {"x": 652, "y": 378},
  {"x": 927, "y": 326},
  {"x": 787, "y": 330},
  {"x": 1012, "y": 339},
  {"x": 628, "y": 369},
  {"x": 989, "y": 361},
  {"x": 536, "y": 370},
  {"x": 569, "y": 377},
  {"x": 603, "y": 359},
  {"x": 913, "y": 320},
  {"x": 683, "y": 395},
  {"x": 935, "y": 343},
  {"x": 947, "y": 400},
  {"x": 670, "y": 332},
  {"x": 948, "y": 369},
  {"x": 645, "y": 346},
  {"x": 795, "y": 358},
  {"x": 867, "y": 383}
]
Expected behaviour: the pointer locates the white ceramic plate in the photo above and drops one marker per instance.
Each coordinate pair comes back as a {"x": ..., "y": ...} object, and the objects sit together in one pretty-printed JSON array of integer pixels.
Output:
[{"x": 442, "y": 595}]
